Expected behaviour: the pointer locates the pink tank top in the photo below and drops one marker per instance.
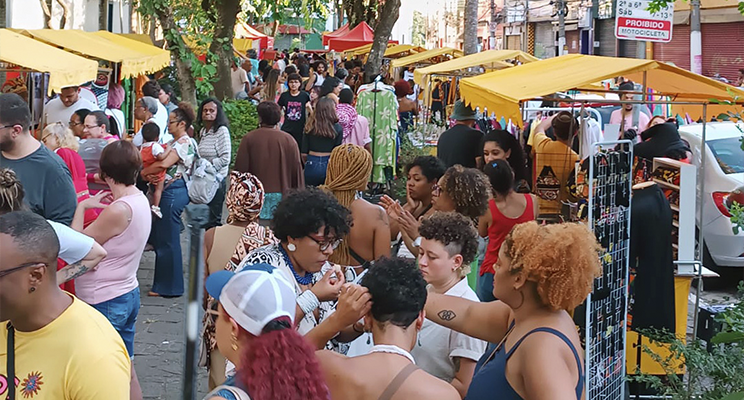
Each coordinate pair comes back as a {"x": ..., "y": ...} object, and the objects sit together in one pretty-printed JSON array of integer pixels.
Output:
[
  {"x": 117, "y": 273},
  {"x": 500, "y": 228}
]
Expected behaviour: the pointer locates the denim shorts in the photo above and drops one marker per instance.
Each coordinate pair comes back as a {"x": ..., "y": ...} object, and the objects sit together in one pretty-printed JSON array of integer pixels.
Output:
[{"x": 122, "y": 313}]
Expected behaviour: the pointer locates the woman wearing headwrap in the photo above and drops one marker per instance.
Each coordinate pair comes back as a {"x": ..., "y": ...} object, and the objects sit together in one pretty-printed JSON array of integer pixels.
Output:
[
  {"x": 349, "y": 170},
  {"x": 226, "y": 246}
]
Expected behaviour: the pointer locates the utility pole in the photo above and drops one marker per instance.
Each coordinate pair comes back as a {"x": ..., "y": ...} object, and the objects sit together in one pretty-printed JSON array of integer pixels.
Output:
[
  {"x": 561, "y": 26},
  {"x": 696, "y": 45},
  {"x": 492, "y": 40}
]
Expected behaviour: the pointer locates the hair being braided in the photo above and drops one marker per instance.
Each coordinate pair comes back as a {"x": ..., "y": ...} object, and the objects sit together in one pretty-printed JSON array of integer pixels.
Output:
[
  {"x": 11, "y": 191},
  {"x": 349, "y": 169}
]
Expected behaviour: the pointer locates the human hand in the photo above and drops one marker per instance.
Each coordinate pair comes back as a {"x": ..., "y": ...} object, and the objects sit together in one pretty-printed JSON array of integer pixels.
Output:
[
  {"x": 102, "y": 199},
  {"x": 329, "y": 287},
  {"x": 410, "y": 202},
  {"x": 409, "y": 224},
  {"x": 392, "y": 207},
  {"x": 354, "y": 302}
]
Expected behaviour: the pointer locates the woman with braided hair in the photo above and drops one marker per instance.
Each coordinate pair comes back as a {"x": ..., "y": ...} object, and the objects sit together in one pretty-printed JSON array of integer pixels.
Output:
[
  {"x": 541, "y": 271},
  {"x": 349, "y": 169}
]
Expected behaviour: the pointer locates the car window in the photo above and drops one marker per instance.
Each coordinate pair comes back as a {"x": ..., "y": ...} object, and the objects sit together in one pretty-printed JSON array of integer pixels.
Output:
[{"x": 729, "y": 154}]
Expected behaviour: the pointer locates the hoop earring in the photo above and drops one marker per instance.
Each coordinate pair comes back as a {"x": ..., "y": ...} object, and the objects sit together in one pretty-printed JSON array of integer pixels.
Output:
[
  {"x": 291, "y": 247},
  {"x": 521, "y": 303}
]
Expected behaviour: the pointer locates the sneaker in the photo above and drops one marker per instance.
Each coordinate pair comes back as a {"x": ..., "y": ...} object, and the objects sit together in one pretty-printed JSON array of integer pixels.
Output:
[{"x": 156, "y": 211}]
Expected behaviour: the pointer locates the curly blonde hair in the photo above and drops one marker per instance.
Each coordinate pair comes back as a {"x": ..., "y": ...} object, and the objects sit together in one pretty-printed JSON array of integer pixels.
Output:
[
  {"x": 562, "y": 259},
  {"x": 63, "y": 134}
]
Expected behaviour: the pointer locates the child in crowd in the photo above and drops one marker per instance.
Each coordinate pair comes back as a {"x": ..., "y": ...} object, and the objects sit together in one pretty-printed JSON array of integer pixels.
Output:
[{"x": 151, "y": 152}]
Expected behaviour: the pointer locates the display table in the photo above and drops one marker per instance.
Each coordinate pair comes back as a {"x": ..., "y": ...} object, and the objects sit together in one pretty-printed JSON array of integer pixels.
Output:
[{"x": 682, "y": 284}]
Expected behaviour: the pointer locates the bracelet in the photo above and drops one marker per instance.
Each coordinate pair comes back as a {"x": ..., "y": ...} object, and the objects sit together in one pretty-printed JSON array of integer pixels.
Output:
[{"x": 308, "y": 301}]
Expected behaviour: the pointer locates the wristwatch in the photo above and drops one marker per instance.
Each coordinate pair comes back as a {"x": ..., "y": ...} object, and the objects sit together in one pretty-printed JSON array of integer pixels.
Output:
[{"x": 417, "y": 242}]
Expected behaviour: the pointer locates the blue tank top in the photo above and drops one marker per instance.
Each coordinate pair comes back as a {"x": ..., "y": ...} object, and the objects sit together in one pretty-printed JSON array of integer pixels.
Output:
[{"x": 490, "y": 375}]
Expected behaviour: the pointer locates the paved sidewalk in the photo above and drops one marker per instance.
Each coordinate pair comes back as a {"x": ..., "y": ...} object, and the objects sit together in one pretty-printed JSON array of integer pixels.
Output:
[{"x": 159, "y": 343}]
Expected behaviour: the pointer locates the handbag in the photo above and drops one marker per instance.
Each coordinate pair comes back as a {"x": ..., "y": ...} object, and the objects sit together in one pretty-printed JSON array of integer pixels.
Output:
[{"x": 201, "y": 181}]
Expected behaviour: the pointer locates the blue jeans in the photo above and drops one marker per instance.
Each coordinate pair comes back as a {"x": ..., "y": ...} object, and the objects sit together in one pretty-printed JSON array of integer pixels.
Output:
[
  {"x": 315, "y": 170},
  {"x": 122, "y": 313},
  {"x": 484, "y": 288},
  {"x": 166, "y": 239}
]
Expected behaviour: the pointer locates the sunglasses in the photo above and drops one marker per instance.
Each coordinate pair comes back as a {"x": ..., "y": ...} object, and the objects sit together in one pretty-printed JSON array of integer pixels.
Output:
[
  {"x": 436, "y": 190},
  {"x": 20, "y": 267},
  {"x": 324, "y": 245}
]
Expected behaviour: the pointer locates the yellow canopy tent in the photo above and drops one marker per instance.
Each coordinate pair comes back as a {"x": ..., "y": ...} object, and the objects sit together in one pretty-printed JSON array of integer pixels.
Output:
[
  {"x": 364, "y": 49},
  {"x": 140, "y": 37},
  {"x": 424, "y": 56},
  {"x": 242, "y": 45},
  {"x": 490, "y": 60},
  {"x": 503, "y": 90},
  {"x": 160, "y": 56},
  {"x": 392, "y": 50},
  {"x": 65, "y": 69},
  {"x": 133, "y": 61}
]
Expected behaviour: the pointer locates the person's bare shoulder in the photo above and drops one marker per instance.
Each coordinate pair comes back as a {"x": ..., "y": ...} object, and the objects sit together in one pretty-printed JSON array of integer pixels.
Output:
[{"x": 424, "y": 386}]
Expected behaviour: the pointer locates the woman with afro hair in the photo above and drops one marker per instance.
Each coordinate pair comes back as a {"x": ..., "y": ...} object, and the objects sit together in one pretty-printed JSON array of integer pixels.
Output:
[{"x": 542, "y": 271}]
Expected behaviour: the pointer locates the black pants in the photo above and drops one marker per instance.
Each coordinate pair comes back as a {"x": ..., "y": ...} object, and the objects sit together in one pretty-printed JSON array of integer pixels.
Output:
[{"x": 215, "y": 206}]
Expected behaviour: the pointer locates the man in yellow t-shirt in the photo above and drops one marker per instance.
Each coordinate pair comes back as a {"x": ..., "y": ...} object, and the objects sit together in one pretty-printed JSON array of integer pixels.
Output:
[
  {"x": 63, "y": 348},
  {"x": 554, "y": 160}
]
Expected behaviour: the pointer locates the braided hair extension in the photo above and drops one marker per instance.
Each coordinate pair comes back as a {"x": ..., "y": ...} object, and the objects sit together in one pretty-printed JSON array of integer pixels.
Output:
[
  {"x": 349, "y": 169},
  {"x": 11, "y": 191}
]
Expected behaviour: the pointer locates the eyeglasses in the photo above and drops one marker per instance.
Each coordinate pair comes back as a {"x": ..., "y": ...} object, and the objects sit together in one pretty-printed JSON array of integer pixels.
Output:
[
  {"x": 91, "y": 126},
  {"x": 173, "y": 122},
  {"x": 324, "y": 245},
  {"x": 8, "y": 126},
  {"x": 74, "y": 124},
  {"x": 26, "y": 265},
  {"x": 436, "y": 190},
  {"x": 44, "y": 138}
]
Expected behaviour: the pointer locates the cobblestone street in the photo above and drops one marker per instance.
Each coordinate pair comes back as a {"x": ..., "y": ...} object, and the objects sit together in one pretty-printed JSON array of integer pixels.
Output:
[{"x": 159, "y": 344}]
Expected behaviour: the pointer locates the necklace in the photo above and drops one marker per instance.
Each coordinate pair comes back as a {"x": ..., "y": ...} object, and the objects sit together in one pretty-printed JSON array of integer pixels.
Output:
[
  {"x": 302, "y": 280},
  {"x": 391, "y": 349}
]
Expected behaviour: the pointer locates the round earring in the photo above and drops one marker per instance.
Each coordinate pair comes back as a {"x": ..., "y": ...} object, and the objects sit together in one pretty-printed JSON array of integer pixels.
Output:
[
  {"x": 291, "y": 247},
  {"x": 33, "y": 289}
]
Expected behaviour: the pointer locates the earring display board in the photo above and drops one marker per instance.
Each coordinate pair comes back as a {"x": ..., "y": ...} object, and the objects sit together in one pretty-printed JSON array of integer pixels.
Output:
[{"x": 609, "y": 217}]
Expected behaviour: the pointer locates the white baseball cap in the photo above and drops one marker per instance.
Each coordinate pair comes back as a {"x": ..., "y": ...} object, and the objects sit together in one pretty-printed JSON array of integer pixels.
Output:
[{"x": 254, "y": 296}]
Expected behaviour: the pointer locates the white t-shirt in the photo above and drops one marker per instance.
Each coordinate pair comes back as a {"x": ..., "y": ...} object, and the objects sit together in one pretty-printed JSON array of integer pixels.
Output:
[
  {"x": 439, "y": 345},
  {"x": 55, "y": 111},
  {"x": 156, "y": 149},
  {"x": 120, "y": 120},
  {"x": 161, "y": 118},
  {"x": 73, "y": 245},
  {"x": 239, "y": 77},
  {"x": 592, "y": 134}
]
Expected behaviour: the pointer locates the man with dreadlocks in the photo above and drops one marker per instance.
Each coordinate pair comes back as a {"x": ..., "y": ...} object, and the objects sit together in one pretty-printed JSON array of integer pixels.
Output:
[{"x": 349, "y": 169}]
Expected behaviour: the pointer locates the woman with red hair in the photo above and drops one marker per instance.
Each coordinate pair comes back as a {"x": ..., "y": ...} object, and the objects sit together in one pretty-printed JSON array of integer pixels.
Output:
[{"x": 255, "y": 332}]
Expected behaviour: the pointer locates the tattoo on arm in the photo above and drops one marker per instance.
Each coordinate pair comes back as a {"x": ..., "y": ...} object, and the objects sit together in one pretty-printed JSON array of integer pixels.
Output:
[
  {"x": 71, "y": 272},
  {"x": 456, "y": 361},
  {"x": 447, "y": 315}
]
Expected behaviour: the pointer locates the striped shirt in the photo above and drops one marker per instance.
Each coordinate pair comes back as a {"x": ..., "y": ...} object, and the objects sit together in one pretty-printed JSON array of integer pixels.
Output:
[{"x": 215, "y": 148}]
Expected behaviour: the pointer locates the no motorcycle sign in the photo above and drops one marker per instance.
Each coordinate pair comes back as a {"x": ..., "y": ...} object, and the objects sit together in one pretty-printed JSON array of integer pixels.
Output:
[{"x": 633, "y": 21}]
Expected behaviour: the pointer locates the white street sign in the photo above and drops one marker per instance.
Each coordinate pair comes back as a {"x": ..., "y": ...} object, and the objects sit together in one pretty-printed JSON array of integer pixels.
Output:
[{"x": 633, "y": 21}]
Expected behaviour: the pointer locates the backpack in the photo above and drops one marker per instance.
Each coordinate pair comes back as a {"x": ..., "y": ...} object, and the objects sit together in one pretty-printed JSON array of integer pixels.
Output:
[{"x": 201, "y": 180}]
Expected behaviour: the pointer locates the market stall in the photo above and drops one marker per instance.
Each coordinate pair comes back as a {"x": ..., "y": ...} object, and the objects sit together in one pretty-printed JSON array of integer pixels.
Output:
[
  {"x": 28, "y": 66},
  {"x": 428, "y": 57},
  {"x": 609, "y": 332},
  {"x": 393, "y": 50}
]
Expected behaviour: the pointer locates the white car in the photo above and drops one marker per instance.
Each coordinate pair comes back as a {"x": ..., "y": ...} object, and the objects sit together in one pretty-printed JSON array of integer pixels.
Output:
[{"x": 724, "y": 174}]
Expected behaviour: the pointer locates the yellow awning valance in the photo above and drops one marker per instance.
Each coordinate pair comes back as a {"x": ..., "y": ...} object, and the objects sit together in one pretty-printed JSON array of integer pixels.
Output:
[
  {"x": 423, "y": 56},
  {"x": 159, "y": 56},
  {"x": 134, "y": 61},
  {"x": 489, "y": 59},
  {"x": 403, "y": 48},
  {"x": 502, "y": 91},
  {"x": 65, "y": 69}
]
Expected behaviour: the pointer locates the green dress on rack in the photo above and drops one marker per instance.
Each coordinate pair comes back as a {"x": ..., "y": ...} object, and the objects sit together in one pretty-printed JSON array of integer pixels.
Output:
[{"x": 381, "y": 109}]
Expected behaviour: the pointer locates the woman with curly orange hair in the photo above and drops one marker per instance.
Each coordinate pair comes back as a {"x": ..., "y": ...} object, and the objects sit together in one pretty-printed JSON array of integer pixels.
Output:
[{"x": 541, "y": 272}]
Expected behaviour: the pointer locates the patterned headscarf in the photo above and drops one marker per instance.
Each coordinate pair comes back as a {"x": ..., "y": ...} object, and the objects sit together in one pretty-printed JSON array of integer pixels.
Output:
[{"x": 244, "y": 198}]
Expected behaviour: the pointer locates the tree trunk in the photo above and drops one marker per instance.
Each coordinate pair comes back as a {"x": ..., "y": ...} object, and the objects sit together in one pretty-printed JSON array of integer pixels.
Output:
[
  {"x": 181, "y": 53},
  {"x": 226, "y": 13},
  {"x": 339, "y": 13},
  {"x": 470, "y": 33},
  {"x": 388, "y": 15},
  {"x": 356, "y": 11}
]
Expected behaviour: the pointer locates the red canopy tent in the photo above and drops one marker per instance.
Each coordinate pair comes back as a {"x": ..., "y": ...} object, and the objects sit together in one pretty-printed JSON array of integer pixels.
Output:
[
  {"x": 361, "y": 35},
  {"x": 337, "y": 33}
]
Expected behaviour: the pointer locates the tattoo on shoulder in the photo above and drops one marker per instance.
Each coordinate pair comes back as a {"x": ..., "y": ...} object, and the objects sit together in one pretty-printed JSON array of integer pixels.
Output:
[
  {"x": 447, "y": 315},
  {"x": 381, "y": 216}
]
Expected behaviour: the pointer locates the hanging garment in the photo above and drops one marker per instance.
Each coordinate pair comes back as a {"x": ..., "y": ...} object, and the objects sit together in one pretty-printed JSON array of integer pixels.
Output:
[
  {"x": 381, "y": 109},
  {"x": 652, "y": 289}
]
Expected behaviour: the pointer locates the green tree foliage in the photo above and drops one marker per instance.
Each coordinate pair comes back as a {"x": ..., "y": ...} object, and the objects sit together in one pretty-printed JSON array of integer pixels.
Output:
[
  {"x": 243, "y": 119},
  {"x": 657, "y": 5}
]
